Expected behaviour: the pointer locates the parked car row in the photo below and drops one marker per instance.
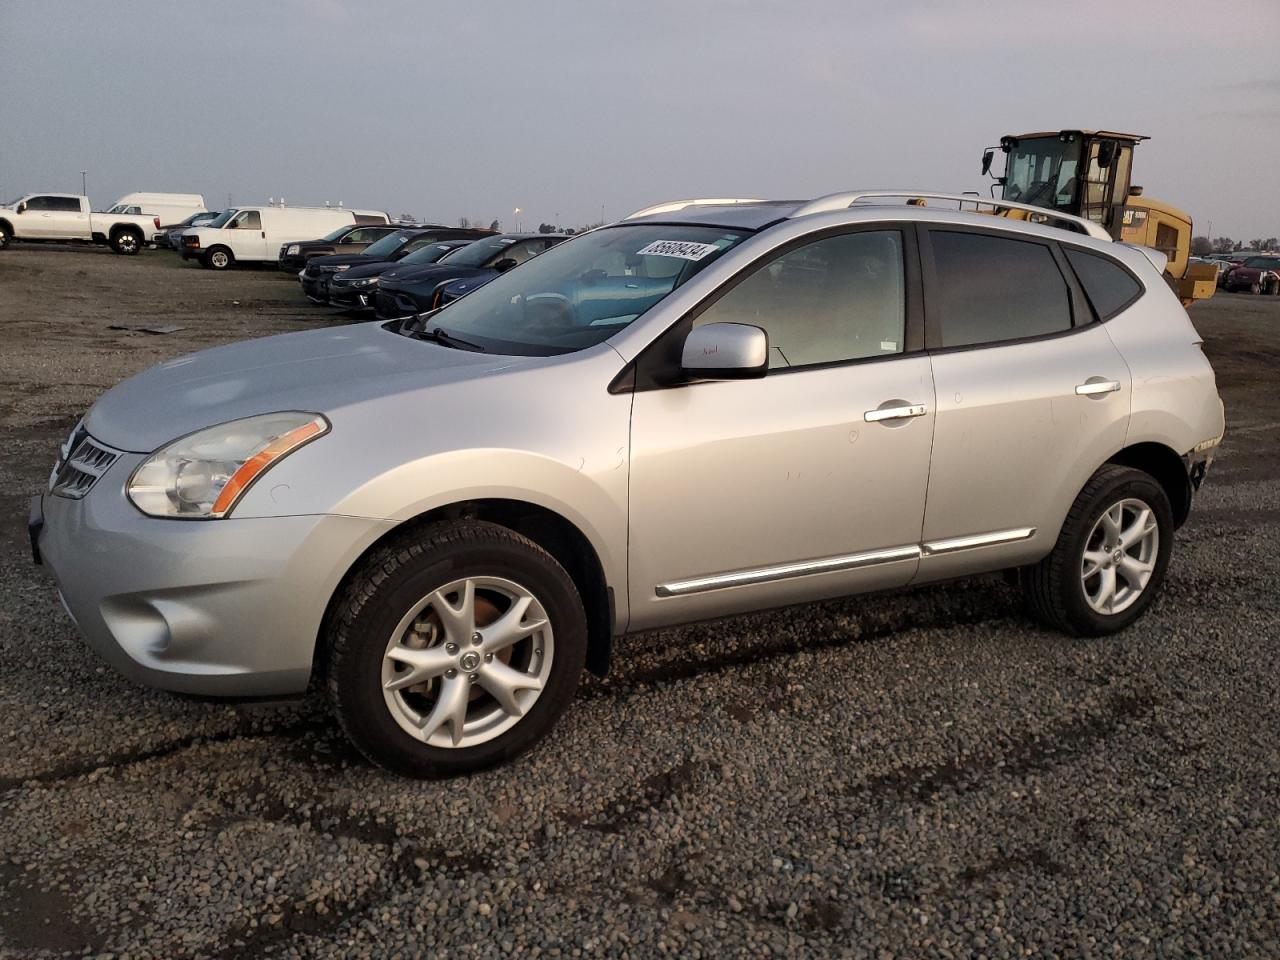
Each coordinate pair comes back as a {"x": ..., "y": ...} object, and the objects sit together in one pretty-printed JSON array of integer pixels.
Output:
[
  {"x": 256, "y": 234},
  {"x": 409, "y": 270},
  {"x": 63, "y": 217},
  {"x": 1259, "y": 274}
]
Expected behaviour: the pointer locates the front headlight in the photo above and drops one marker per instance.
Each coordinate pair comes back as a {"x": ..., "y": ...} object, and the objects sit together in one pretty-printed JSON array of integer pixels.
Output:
[
  {"x": 363, "y": 281},
  {"x": 204, "y": 474},
  {"x": 345, "y": 266},
  {"x": 293, "y": 248}
]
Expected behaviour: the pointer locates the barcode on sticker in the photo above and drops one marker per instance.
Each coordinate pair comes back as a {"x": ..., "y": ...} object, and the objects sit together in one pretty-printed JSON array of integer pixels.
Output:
[{"x": 678, "y": 248}]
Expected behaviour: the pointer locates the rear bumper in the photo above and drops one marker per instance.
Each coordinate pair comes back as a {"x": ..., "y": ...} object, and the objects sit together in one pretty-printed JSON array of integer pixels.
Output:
[{"x": 228, "y": 608}]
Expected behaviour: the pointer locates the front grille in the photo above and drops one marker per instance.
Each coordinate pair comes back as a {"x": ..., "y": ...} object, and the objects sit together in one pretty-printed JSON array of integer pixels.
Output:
[{"x": 82, "y": 461}]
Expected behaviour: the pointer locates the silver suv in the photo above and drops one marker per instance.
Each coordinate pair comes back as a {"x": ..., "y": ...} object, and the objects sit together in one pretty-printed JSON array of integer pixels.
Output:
[{"x": 707, "y": 408}]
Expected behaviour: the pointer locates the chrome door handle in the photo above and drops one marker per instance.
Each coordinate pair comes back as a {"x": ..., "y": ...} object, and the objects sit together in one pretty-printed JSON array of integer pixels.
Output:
[
  {"x": 894, "y": 413},
  {"x": 1094, "y": 386}
]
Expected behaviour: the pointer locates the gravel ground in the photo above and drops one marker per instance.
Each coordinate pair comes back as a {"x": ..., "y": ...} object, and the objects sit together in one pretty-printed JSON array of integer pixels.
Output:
[{"x": 912, "y": 774}]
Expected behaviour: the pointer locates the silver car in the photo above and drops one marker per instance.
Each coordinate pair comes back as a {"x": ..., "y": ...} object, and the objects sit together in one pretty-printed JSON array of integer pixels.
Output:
[{"x": 708, "y": 408}]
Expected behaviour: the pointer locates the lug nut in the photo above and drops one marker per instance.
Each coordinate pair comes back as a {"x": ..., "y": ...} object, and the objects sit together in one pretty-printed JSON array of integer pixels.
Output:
[
  {"x": 476, "y": 638},
  {"x": 488, "y": 658},
  {"x": 451, "y": 673},
  {"x": 450, "y": 648},
  {"x": 474, "y": 677}
]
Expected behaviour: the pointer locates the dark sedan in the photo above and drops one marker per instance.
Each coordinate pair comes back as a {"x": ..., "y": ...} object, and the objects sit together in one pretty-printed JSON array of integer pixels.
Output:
[
  {"x": 353, "y": 288},
  {"x": 403, "y": 293},
  {"x": 392, "y": 247},
  {"x": 349, "y": 238}
]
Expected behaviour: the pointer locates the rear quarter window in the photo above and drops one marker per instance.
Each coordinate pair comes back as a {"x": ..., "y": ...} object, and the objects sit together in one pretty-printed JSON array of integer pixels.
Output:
[{"x": 1109, "y": 286}]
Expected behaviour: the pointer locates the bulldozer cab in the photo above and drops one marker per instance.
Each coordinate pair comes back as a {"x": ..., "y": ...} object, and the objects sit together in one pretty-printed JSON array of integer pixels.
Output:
[{"x": 1081, "y": 172}]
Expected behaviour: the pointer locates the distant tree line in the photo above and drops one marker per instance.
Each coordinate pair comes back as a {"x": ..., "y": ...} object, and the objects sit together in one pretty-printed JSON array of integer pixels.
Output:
[{"x": 1204, "y": 247}]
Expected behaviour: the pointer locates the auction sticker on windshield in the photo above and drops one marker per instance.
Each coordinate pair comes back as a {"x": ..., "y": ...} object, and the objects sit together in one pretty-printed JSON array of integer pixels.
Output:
[{"x": 678, "y": 248}]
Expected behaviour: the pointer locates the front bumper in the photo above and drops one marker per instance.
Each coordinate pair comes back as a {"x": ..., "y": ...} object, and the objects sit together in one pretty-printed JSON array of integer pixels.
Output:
[
  {"x": 395, "y": 305},
  {"x": 228, "y": 608},
  {"x": 316, "y": 287},
  {"x": 352, "y": 298}
]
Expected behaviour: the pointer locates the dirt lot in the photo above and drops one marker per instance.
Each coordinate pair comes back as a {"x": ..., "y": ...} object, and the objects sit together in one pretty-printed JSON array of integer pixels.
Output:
[{"x": 911, "y": 774}]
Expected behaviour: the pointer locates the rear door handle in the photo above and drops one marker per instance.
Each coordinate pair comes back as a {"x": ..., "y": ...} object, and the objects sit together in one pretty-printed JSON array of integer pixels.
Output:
[
  {"x": 894, "y": 413},
  {"x": 1095, "y": 386}
]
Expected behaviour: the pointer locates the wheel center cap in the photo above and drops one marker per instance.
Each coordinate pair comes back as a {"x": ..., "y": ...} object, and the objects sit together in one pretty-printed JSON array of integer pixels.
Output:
[
  {"x": 469, "y": 660},
  {"x": 1118, "y": 556}
]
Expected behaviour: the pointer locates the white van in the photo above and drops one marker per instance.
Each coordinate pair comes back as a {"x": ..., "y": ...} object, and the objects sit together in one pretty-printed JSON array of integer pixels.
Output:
[
  {"x": 257, "y": 233},
  {"x": 171, "y": 208}
]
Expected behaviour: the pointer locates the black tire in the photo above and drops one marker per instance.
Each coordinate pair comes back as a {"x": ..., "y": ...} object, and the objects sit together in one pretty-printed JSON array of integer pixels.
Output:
[
  {"x": 218, "y": 258},
  {"x": 1053, "y": 588},
  {"x": 126, "y": 242},
  {"x": 6, "y": 237},
  {"x": 388, "y": 584},
  {"x": 1255, "y": 288}
]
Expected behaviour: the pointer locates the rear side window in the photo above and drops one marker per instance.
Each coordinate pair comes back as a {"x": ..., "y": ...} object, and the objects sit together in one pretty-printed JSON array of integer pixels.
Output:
[
  {"x": 1109, "y": 287},
  {"x": 72, "y": 205},
  {"x": 991, "y": 289}
]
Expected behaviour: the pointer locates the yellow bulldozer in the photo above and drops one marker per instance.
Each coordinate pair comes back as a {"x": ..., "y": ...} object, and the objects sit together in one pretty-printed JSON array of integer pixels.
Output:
[{"x": 1086, "y": 173}]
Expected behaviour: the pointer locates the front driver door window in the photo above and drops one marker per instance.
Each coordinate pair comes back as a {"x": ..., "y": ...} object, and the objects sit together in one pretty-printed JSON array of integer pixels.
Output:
[{"x": 783, "y": 481}]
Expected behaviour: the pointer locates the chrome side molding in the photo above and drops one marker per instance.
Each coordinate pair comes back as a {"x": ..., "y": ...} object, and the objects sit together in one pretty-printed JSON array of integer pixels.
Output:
[
  {"x": 952, "y": 544},
  {"x": 850, "y": 561},
  {"x": 786, "y": 571}
]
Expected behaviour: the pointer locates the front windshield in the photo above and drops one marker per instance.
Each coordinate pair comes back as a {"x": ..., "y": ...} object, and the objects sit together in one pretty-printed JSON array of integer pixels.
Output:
[
  {"x": 387, "y": 245},
  {"x": 429, "y": 253},
  {"x": 583, "y": 291},
  {"x": 338, "y": 234},
  {"x": 1041, "y": 171},
  {"x": 221, "y": 219},
  {"x": 1263, "y": 263}
]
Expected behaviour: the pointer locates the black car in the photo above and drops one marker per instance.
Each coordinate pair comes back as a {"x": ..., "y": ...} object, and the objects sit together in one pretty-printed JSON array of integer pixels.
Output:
[
  {"x": 349, "y": 238},
  {"x": 392, "y": 247},
  {"x": 353, "y": 289},
  {"x": 403, "y": 293},
  {"x": 169, "y": 233}
]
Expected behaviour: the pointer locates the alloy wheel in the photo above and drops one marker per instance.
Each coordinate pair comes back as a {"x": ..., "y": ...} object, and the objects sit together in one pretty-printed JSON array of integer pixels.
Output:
[
  {"x": 467, "y": 662},
  {"x": 1120, "y": 556}
]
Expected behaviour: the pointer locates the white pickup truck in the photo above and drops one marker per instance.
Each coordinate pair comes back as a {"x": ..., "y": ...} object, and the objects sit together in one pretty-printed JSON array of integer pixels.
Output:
[{"x": 66, "y": 216}]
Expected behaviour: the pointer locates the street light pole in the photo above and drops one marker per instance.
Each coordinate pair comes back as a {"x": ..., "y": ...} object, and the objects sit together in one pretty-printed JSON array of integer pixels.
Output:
[{"x": 84, "y": 190}]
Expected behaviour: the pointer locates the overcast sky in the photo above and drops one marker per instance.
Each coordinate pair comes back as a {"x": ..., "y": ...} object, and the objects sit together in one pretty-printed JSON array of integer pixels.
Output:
[{"x": 562, "y": 107}]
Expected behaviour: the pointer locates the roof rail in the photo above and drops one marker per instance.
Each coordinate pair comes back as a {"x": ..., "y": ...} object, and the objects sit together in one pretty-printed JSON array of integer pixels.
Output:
[
  {"x": 672, "y": 205},
  {"x": 842, "y": 201}
]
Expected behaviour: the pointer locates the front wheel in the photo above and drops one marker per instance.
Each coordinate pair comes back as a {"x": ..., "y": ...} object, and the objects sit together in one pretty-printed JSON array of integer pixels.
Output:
[
  {"x": 454, "y": 648},
  {"x": 1110, "y": 558},
  {"x": 218, "y": 258}
]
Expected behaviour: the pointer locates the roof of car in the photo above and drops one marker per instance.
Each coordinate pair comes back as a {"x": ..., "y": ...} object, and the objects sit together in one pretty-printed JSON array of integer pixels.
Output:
[{"x": 758, "y": 214}]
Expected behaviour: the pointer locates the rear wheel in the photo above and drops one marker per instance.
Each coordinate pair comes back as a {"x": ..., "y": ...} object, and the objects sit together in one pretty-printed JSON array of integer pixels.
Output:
[
  {"x": 219, "y": 258},
  {"x": 127, "y": 242},
  {"x": 6, "y": 237},
  {"x": 1110, "y": 558},
  {"x": 454, "y": 648}
]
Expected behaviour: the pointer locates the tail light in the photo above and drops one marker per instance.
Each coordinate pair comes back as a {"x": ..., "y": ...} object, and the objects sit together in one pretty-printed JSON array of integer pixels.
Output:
[{"x": 157, "y": 222}]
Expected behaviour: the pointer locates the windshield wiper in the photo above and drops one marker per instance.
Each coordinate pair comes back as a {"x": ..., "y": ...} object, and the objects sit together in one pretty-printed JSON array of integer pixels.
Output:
[{"x": 438, "y": 335}]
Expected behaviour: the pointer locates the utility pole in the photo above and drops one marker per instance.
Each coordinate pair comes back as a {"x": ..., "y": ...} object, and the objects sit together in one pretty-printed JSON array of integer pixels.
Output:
[{"x": 84, "y": 181}]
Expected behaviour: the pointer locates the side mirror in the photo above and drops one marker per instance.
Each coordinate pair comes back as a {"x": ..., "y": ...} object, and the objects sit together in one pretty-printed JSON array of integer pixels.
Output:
[
  {"x": 987, "y": 156},
  {"x": 726, "y": 351},
  {"x": 505, "y": 264},
  {"x": 22, "y": 208}
]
